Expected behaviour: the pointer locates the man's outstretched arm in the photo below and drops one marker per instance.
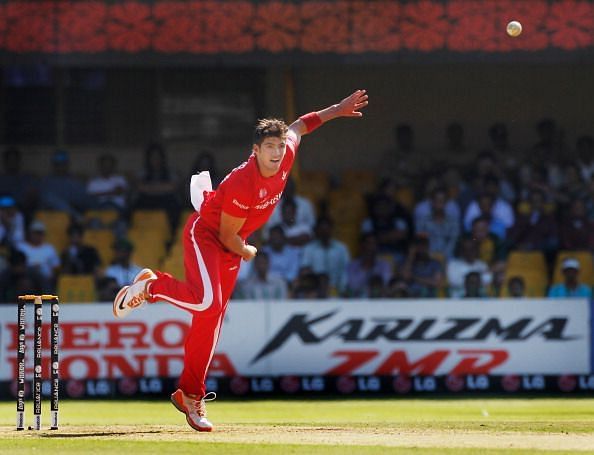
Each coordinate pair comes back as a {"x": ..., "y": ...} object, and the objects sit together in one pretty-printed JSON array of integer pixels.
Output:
[{"x": 348, "y": 107}]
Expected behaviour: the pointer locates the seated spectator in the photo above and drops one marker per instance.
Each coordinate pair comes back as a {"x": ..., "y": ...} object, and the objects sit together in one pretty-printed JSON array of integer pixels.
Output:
[
  {"x": 392, "y": 225},
  {"x": 107, "y": 289},
  {"x": 63, "y": 191},
  {"x": 41, "y": 256},
  {"x": 366, "y": 266},
  {"x": 490, "y": 177},
  {"x": 284, "y": 259},
  {"x": 263, "y": 284},
  {"x": 397, "y": 289},
  {"x": 122, "y": 269},
  {"x": 572, "y": 186},
  {"x": 516, "y": 288},
  {"x": 535, "y": 230},
  {"x": 467, "y": 261},
  {"x": 424, "y": 208},
  {"x": 486, "y": 209},
  {"x": 297, "y": 234},
  {"x": 108, "y": 189},
  {"x": 157, "y": 188},
  {"x": 77, "y": 258},
  {"x": 459, "y": 192},
  {"x": 376, "y": 287},
  {"x": 534, "y": 177},
  {"x": 310, "y": 285},
  {"x": 491, "y": 248},
  {"x": 442, "y": 229},
  {"x": 423, "y": 274},
  {"x": 12, "y": 222},
  {"x": 473, "y": 286},
  {"x": 327, "y": 255},
  {"x": 576, "y": 232},
  {"x": 19, "y": 279},
  {"x": 570, "y": 287},
  {"x": 21, "y": 186},
  {"x": 585, "y": 151},
  {"x": 490, "y": 203},
  {"x": 304, "y": 209}
]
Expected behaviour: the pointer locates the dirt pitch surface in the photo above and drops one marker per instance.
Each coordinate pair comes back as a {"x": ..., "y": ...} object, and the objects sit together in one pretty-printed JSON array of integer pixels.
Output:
[{"x": 324, "y": 435}]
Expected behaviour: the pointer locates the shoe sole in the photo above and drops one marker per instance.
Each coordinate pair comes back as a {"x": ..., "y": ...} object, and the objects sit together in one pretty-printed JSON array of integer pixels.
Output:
[
  {"x": 183, "y": 411},
  {"x": 118, "y": 300}
]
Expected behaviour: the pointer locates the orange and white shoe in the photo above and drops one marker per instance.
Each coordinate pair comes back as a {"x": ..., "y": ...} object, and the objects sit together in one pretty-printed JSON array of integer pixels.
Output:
[
  {"x": 194, "y": 408},
  {"x": 133, "y": 296}
]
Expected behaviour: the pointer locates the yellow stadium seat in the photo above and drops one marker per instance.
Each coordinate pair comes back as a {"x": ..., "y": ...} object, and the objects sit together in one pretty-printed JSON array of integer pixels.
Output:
[
  {"x": 350, "y": 235},
  {"x": 346, "y": 206},
  {"x": 523, "y": 207},
  {"x": 102, "y": 240},
  {"x": 76, "y": 288},
  {"x": 101, "y": 218},
  {"x": 149, "y": 247},
  {"x": 527, "y": 260},
  {"x": 535, "y": 282},
  {"x": 152, "y": 220},
  {"x": 361, "y": 180},
  {"x": 56, "y": 224},
  {"x": 184, "y": 216},
  {"x": 314, "y": 185},
  {"x": 586, "y": 273}
]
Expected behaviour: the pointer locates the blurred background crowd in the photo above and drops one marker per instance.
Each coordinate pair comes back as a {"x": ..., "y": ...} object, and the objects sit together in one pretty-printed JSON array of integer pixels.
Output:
[{"x": 494, "y": 222}]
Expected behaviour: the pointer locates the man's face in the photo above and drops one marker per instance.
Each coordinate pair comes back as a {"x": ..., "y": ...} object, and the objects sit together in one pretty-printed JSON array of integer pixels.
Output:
[
  {"x": 288, "y": 214},
  {"x": 324, "y": 231},
  {"x": 469, "y": 250},
  {"x": 571, "y": 274},
  {"x": 261, "y": 265},
  {"x": 516, "y": 289},
  {"x": 37, "y": 237},
  {"x": 480, "y": 230},
  {"x": 270, "y": 155},
  {"x": 438, "y": 201},
  {"x": 277, "y": 239}
]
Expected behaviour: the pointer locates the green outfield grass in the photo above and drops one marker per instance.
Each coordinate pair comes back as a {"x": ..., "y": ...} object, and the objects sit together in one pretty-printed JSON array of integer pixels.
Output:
[{"x": 370, "y": 426}]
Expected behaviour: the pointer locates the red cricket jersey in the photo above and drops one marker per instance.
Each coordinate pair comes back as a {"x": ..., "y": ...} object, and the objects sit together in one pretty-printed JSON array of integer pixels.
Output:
[{"x": 244, "y": 193}]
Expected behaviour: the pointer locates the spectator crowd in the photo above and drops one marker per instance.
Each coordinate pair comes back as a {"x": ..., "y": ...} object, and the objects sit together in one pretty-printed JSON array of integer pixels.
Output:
[{"x": 502, "y": 222}]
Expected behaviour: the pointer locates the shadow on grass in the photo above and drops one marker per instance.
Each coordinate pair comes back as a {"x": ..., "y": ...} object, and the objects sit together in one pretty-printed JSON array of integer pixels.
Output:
[{"x": 96, "y": 434}]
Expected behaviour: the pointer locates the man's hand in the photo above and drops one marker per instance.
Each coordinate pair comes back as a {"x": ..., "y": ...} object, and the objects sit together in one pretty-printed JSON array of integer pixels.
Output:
[
  {"x": 249, "y": 252},
  {"x": 348, "y": 107},
  {"x": 352, "y": 104}
]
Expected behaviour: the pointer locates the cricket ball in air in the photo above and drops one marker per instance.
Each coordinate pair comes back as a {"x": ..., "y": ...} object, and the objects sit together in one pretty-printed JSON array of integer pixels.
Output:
[{"x": 514, "y": 28}]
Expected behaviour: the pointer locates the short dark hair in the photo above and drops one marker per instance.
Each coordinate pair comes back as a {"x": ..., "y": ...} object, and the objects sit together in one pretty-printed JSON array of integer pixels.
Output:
[
  {"x": 269, "y": 127},
  {"x": 277, "y": 228},
  {"x": 324, "y": 220}
]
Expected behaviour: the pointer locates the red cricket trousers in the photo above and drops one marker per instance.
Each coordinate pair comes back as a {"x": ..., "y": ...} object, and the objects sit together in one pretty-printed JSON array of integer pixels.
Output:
[{"x": 211, "y": 273}]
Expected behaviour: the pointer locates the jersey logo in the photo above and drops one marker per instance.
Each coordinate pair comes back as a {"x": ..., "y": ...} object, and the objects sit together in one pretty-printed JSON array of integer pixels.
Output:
[
  {"x": 240, "y": 205},
  {"x": 284, "y": 175},
  {"x": 262, "y": 193},
  {"x": 273, "y": 200}
]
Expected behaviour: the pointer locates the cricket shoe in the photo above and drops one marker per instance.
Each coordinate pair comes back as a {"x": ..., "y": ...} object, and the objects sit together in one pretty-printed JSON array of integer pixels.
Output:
[
  {"x": 133, "y": 296},
  {"x": 194, "y": 408}
]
